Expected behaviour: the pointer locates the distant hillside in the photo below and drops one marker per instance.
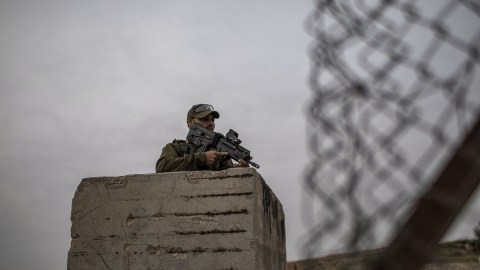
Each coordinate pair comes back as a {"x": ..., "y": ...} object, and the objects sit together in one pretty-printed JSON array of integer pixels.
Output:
[{"x": 454, "y": 255}]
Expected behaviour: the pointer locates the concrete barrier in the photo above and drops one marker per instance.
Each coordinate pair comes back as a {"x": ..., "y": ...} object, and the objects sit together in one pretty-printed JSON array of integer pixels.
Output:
[{"x": 185, "y": 220}]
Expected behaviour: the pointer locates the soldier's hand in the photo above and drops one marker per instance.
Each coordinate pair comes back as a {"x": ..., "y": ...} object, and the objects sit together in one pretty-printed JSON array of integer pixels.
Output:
[
  {"x": 242, "y": 163},
  {"x": 213, "y": 157}
]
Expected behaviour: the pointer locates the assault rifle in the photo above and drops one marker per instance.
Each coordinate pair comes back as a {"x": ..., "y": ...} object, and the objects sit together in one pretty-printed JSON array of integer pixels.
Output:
[{"x": 206, "y": 140}]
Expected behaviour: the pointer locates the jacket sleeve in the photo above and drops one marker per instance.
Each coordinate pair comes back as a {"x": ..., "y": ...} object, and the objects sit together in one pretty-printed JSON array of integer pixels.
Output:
[{"x": 170, "y": 161}]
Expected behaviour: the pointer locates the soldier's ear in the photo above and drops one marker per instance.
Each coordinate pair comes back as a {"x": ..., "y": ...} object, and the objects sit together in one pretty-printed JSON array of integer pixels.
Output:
[{"x": 189, "y": 122}]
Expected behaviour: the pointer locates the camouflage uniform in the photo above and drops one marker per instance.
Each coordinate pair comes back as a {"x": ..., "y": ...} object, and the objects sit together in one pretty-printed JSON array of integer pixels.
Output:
[{"x": 176, "y": 158}]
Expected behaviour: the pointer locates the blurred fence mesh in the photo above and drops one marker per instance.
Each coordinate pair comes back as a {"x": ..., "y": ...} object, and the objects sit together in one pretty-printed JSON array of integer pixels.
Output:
[{"x": 395, "y": 87}]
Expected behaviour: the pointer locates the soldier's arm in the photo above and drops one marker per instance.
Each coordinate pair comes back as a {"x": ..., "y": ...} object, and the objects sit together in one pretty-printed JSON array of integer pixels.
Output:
[{"x": 170, "y": 161}]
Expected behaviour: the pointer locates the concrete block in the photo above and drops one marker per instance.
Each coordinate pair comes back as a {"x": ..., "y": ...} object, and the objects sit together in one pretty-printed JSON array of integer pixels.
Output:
[{"x": 185, "y": 220}]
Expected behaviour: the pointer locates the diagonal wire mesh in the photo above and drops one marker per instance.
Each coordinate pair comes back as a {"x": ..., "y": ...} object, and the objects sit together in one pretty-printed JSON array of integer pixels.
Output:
[{"x": 395, "y": 87}]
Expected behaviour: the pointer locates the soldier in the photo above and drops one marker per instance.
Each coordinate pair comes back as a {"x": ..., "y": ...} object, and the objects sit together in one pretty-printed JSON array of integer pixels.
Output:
[{"x": 178, "y": 156}]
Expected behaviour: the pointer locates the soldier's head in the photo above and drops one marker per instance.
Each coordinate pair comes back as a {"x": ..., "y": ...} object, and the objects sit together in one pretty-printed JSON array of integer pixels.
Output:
[{"x": 204, "y": 115}]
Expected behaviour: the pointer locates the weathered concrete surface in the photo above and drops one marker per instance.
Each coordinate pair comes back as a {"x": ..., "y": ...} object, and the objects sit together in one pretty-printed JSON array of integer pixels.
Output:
[{"x": 187, "y": 220}]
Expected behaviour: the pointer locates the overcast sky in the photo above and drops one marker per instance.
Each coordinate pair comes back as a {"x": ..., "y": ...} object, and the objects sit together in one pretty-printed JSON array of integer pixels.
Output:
[{"x": 97, "y": 88}]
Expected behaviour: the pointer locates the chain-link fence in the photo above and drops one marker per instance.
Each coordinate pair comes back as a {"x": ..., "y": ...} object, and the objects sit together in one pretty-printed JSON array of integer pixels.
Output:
[{"x": 395, "y": 88}]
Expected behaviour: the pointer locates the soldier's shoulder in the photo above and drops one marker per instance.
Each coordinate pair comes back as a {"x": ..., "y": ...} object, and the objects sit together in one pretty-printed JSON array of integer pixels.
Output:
[{"x": 177, "y": 144}]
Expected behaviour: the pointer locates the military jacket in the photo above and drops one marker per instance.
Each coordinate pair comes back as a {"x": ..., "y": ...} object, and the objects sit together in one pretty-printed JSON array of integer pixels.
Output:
[{"x": 179, "y": 156}]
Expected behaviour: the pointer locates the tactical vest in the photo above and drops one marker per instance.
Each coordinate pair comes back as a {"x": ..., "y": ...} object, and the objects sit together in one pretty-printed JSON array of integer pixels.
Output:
[
  {"x": 189, "y": 149},
  {"x": 184, "y": 148}
]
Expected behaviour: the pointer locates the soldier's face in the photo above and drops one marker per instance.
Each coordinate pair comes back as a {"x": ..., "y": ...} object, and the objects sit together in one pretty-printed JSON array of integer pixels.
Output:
[{"x": 207, "y": 122}]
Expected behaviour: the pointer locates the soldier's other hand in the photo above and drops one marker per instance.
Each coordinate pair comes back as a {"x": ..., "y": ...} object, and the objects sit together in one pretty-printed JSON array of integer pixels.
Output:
[
  {"x": 242, "y": 163},
  {"x": 213, "y": 157}
]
